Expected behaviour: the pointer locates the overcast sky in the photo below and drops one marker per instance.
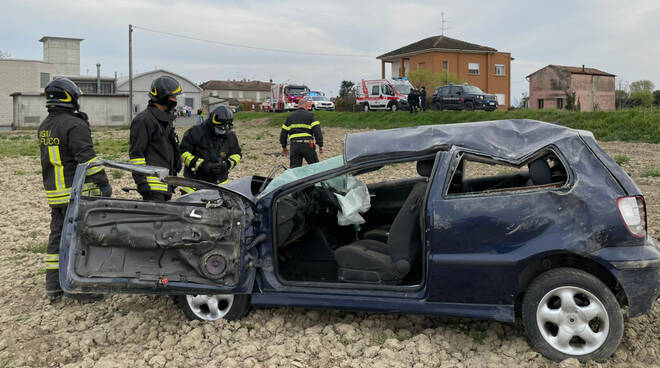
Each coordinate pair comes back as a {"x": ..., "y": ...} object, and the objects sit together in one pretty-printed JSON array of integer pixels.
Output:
[{"x": 619, "y": 37}]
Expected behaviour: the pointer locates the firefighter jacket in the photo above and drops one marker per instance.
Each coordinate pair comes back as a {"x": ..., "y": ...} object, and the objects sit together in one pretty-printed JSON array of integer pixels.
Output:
[
  {"x": 201, "y": 144},
  {"x": 154, "y": 142},
  {"x": 65, "y": 140},
  {"x": 301, "y": 125}
]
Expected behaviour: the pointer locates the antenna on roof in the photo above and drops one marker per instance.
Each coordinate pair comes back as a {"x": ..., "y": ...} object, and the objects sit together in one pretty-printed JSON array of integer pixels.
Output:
[{"x": 443, "y": 27}]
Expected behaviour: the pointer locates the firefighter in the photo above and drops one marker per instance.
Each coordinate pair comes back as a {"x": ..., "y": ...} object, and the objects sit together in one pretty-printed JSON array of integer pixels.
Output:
[
  {"x": 153, "y": 140},
  {"x": 422, "y": 99},
  {"x": 303, "y": 131},
  {"x": 413, "y": 100},
  {"x": 211, "y": 149},
  {"x": 65, "y": 140}
]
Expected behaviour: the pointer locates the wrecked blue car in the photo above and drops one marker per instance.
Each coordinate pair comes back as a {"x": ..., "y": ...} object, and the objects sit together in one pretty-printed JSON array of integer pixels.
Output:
[{"x": 504, "y": 220}]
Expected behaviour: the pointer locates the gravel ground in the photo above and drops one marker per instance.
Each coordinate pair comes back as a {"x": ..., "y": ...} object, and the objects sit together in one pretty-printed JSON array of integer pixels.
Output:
[{"x": 147, "y": 331}]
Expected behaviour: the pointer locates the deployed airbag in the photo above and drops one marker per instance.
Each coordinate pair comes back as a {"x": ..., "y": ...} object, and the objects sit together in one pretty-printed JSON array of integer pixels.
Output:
[{"x": 353, "y": 197}]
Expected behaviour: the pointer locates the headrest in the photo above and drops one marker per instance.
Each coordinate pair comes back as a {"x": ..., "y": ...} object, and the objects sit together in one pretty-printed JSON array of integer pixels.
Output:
[
  {"x": 425, "y": 167},
  {"x": 539, "y": 172}
]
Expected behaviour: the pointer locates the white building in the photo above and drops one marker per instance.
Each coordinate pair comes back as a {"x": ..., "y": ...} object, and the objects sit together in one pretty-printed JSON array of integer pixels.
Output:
[{"x": 191, "y": 95}]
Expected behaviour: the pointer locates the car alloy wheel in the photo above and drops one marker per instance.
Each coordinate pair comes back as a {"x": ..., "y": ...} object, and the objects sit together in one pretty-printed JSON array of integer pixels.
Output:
[
  {"x": 469, "y": 106},
  {"x": 572, "y": 320},
  {"x": 570, "y": 313},
  {"x": 210, "y": 307},
  {"x": 394, "y": 107},
  {"x": 365, "y": 107}
]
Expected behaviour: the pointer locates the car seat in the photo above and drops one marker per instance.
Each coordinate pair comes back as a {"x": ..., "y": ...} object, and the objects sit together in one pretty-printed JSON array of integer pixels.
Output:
[{"x": 389, "y": 260}]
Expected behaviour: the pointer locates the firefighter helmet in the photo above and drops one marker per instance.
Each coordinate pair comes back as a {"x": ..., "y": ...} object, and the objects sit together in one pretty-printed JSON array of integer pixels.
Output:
[
  {"x": 62, "y": 92},
  {"x": 162, "y": 88}
]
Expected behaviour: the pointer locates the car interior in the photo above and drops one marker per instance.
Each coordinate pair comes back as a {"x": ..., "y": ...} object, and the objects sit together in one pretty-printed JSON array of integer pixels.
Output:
[{"x": 384, "y": 248}]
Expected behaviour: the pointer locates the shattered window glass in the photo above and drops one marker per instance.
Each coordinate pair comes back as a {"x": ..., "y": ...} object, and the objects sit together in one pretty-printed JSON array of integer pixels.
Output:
[{"x": 297, "y": 173}]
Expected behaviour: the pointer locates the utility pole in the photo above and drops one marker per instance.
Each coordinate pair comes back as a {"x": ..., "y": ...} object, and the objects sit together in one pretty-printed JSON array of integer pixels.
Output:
[
  {"x": 130, "y": 72},
  {"x": 442, "y": 27}
]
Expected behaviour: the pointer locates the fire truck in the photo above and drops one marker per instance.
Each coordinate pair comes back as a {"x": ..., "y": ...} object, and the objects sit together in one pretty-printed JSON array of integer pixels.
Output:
[
  {"x": 285, "y": 97},
  {"x": 383, "y": 94}
]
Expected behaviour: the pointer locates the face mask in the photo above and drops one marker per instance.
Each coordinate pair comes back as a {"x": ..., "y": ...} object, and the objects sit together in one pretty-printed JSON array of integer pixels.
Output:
[
  {"x": 219, "y": 131},
  {"x": 170, "y": 104}
]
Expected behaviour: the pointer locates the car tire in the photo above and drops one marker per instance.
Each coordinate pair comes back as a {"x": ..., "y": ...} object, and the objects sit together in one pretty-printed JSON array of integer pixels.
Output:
[
  {"x": 469, "y": 106},
  {"x": 394, "y": 107},
  {"x": 214, "y": 307},
  {"x": 365, "y": 107},
  {"x": 569, "y": 313},
  {"x": 313, "y": 108},
  {"x": 437, "y": 106}
]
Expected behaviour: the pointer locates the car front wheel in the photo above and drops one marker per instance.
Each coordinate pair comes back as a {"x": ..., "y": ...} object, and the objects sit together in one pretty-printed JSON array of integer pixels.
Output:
[
  {"x": 213, "y": 307},
  {"x": 569, "y": 313}
]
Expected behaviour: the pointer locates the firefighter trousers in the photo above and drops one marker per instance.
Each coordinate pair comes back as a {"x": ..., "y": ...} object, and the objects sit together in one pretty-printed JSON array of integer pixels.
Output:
[
  {"x": 53, "y": 288},
  {"x": 300, "y": 150}
]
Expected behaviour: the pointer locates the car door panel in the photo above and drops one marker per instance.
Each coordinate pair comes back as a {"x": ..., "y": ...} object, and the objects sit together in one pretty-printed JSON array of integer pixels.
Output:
[{"x": 192, "y": 245}]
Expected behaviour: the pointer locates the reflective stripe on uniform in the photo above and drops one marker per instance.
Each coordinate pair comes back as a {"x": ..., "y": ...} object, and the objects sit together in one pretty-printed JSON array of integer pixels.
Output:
[
  {"x": 56, "y": 161},
  {"x": 91, "y": 189},
  {"x": 314, "y": 124},
  {"x": 95, "y": 169},
  {"x": 138, "y": 161},
  {"x": 52, "y": 261},
  {"x": 235, "y": 159},
  {"x": 224, "y": 182},
  {"x": 187, "y": 158},
  {"x": 300, "y": 135},
  {"x": 187, "y": 190},
  {"x": 156, "y": 184},
  {"x": 301, "y": 126}
]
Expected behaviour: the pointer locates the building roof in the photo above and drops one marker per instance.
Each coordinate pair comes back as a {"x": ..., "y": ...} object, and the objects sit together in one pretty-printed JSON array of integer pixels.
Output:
[
  {"x": 44, "y": 38},
  {"x": 437, "y": 43},
  {"x": 124, "y": 80},
  {"x": 217, "y": 85},
  {"x": 85, "y": 77},
  {"x": 575, "y": 70},
  {"x": 510, "y": 140}
]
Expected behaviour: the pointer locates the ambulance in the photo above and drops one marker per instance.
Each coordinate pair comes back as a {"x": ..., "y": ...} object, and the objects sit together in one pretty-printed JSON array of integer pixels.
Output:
[{"x": 383, "y": 94}]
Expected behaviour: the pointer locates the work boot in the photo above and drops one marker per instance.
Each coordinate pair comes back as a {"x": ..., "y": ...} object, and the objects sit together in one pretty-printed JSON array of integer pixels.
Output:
[
  {"x": 53, "y": 289},
  {"x": 85, "y": 298}
]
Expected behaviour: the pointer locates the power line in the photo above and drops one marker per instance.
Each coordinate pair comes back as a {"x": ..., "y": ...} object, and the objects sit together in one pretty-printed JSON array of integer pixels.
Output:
[{"x": 252, "y": 47}]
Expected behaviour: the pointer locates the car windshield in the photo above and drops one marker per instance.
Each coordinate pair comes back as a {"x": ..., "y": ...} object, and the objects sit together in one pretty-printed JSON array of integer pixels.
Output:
[
  {"x": 292, "y": 175},
  {"x": 473, "y": 90},
  {"x": 402, "y": 88},
  {"x": 320, "y": 98}
]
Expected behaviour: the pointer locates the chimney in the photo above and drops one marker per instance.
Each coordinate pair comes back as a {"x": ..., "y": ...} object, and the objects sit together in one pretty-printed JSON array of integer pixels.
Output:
[
  {"x": 98, "y": 78},
  {"x": 63, "y": 53},
  {"x": 582, "y": 68}
]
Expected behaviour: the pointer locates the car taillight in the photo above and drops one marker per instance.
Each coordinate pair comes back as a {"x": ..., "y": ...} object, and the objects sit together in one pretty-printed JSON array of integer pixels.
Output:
[{"x": 633, "y": 213}]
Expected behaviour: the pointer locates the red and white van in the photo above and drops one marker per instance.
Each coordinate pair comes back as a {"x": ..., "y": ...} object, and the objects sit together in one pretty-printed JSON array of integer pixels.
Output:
[
  {"x": 383, "y": 94},
  {"x": 285, "y": 97}
]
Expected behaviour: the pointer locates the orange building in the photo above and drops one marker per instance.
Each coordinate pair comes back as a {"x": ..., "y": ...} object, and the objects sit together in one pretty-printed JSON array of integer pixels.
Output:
[{"x": 480, "y": 66}]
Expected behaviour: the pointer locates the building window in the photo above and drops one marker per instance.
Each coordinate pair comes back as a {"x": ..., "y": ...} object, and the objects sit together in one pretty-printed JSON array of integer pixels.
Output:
[
  {"x": 473, "y": 68},
  {"x": 540, "y": 103},
  {"x": 106, "y": 88},
  {"x": 445, "y": 66},
  {"x": 560, "y": 103},
  {"x": 420, "y": 65},
  {"x": 189, "y": 102},
  {"x": 499, "y": 69},
  {"x": 44, "y": 78},
  {"x": 87, "y": 87}
]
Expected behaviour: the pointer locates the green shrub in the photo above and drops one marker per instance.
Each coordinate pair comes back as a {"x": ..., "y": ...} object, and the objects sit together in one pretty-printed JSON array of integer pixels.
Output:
[
  {"x": 621, "y": 159},
  {"x": 651, "y": 173}
]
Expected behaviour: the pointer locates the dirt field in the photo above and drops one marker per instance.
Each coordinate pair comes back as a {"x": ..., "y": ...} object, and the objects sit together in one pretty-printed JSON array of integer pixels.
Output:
[{"x": 146, "y": 331}]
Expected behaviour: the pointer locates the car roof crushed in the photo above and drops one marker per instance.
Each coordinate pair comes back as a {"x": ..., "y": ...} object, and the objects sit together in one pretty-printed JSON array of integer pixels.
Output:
[{"x": 506, "y": 139}]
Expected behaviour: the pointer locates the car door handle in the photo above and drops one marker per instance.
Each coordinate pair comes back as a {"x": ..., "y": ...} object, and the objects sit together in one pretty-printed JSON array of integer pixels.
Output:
[{"x": 194, "y": 215}]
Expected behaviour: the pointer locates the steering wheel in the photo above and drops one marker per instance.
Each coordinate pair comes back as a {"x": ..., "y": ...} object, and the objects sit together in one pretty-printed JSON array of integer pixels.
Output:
[{"x": 328, "y": 195}]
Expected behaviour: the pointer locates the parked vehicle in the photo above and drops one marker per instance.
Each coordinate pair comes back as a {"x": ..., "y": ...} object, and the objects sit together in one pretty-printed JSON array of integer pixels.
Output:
[
  {"x": 463, "y": 97},
  {"x": 383, "y": 94},
  {"x": 316, "y": 102},
  {"x": 503, "y": 220},
  {"x": 267, "y": 105},
  {"x": 285, "y": 97}
]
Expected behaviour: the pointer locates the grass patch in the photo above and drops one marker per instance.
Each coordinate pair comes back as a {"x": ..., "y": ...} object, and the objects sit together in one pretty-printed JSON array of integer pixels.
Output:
[
  {"x": 117, "y": 174},
  {"x": 19, "y": 172},
  {"x": 639, "y": 124},
  {"x": 259, "y": 135},
  {"x": 651, "y": 173},
  {"x": 479, "y": 337},
  {"x": 621, "y": 159},
  {"x": 378, "y": 339},
  {"x": 16, "y": 257},
  {"x": 5, "y": 361},
  {"x": 252, "y": 156},
  {"x": 35, "y": 247}
]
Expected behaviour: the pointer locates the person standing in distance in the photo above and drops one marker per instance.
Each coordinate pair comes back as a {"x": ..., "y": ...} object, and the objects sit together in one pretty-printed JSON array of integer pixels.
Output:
[
  {"x": 211, "y": 149},
  {"x": 65, "y": 140},
  {"x": 303, "y": 131},
  {"x": 422, "y": 99},
  {"x": 153, "y": 140}
]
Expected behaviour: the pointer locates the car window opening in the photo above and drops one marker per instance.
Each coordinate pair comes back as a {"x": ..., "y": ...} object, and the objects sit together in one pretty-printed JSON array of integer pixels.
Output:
[
  {"x": 480, "y": 174},
  {"x": 318, "y": 242}
]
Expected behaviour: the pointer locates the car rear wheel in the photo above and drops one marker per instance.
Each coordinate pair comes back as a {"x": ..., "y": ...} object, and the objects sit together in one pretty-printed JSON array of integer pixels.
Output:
[
  {"x": 469, "y": 106},
  {"x": 437, "y": 106},
  {"x": 394, "y": 106},
  {"x": 569, "y": 313},
  {"x": 365, "y": 107},
  {"x": 213, "y": 307}
]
